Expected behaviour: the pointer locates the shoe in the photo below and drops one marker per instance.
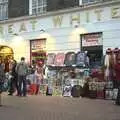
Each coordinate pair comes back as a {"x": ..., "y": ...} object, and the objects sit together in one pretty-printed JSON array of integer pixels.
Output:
[
  {"x": 24, "y": 95},
  {"x": 10, "y": 94}
]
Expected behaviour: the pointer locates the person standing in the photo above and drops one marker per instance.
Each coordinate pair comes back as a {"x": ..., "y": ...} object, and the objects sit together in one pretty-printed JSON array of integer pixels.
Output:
[
  {"x": 22, "y": 70},
  {"x": 117, "y": 75},
  {"x": 2, "y": 78},
  {"x": 14, "y": 81},
  {"x": 38, "y": 77}
]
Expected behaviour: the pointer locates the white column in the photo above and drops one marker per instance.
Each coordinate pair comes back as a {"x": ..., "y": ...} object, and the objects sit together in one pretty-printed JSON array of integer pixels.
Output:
[
  {"x": 80, "y": 2},
  {"x": 30, "y": 7}
]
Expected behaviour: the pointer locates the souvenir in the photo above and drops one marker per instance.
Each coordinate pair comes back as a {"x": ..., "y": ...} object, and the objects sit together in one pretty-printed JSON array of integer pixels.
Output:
[
  {"x": 50, "y": 59},
  {"x": 115, "y": 92},
  {"x": 109, "y": 94},
  {"x": 76, "y": 91},
  {"x": 59, "y": 59},
  {"x": 100, "y": 94},
  {"x": 70, "y": 59},
  {"x": 81, "y": 59},
  {"x": 67, "y": 91}
]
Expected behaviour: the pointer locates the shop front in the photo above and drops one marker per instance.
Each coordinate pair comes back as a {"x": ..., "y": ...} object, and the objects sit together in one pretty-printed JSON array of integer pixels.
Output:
[
  {"x": 93, "y": 44},
  {"x": 97, "y": 26},
  {"x": 64, "y": 33}
]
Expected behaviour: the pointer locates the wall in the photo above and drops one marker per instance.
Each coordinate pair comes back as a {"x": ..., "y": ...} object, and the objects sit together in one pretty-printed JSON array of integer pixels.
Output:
[{"x": 63, "y": 30}]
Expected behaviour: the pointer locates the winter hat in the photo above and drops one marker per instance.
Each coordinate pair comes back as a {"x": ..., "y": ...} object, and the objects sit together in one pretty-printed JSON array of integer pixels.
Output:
[
  {"x": 109, "y": 50},
  {"x": 116, "y": 50}
]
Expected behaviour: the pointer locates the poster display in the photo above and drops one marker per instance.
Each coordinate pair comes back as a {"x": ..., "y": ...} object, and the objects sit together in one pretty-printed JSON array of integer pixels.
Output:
[
  {"x": 59, "y": 59},
  {"x": 50, "y": 59}
]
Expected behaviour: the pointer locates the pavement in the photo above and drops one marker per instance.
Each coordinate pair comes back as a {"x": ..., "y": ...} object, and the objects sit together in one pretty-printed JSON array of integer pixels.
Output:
[{"x": 57, "y": 108}]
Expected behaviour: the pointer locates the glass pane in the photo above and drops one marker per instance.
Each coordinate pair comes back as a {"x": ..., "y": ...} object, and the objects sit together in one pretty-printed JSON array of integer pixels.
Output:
[
  {"x": 34, "y": 3},
  {"x": 44, "y": 2},
  {"x": 40, "y": 10},
  {"x": 44, "y": 9},
  {"x": 40, "y": 2},
  {"x": 34, "y": 11}
]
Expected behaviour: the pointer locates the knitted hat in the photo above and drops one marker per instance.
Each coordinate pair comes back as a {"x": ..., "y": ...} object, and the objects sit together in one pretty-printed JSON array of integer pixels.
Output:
[
  {"x": 116, "y": 50},
  {"x": 109, "y": 50}
]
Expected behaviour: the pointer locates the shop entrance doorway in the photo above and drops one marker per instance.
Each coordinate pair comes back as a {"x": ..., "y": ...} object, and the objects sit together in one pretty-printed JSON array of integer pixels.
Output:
[
  {"x": 93, "y": 44},
  {"x": 95, "y": 55},
  {"x": 38, "y": 51}
]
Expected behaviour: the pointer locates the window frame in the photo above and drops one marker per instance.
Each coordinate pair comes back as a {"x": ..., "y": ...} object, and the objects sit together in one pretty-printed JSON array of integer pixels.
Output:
[
  {"x": 36, "y": 6},
  {"x": 3, "y": 10}
]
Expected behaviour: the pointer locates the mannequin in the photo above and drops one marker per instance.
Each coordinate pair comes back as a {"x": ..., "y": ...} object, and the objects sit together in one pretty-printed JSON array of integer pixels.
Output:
[
  {"x": 115, "y": 54},
  {"x": 108, "y": 63},
  {"x": 117, "y": 71}
]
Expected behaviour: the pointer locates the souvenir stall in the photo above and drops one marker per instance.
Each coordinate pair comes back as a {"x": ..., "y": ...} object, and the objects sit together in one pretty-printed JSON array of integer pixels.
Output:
[
  {"x": 67, "y": 73},
  {"x": 103, "y": 83}
]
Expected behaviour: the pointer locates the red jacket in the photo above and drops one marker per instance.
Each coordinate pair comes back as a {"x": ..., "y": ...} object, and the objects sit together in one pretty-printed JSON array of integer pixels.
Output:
[{"x": 117, "y": 71}]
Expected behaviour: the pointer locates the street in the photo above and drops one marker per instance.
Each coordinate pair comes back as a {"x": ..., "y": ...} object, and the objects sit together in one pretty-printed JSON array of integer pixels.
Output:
[{"x": 57, "y": 108}]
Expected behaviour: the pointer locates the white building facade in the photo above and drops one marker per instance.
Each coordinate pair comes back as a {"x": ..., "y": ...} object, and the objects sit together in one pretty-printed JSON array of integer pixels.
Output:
[{"x": 96, "y": 25}]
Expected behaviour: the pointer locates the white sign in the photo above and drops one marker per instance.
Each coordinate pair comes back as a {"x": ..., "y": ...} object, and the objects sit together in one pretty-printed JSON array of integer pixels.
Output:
[{"x": 94, "y": 39}]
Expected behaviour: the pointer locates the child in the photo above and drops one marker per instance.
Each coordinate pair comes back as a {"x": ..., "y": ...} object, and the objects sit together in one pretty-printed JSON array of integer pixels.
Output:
[{"x": 38, "y": 78}]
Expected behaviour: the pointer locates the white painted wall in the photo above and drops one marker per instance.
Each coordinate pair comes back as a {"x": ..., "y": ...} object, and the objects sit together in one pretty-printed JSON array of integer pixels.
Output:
[{"x": 65, "y": 37}]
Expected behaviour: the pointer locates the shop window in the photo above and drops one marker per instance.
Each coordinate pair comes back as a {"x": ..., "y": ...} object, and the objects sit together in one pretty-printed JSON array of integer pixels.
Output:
[
  {"x": 92, "y": 43},
  {"x": 38, "y": 50},
  {"x": 3, "y": 9},
  {"x": 38, "y": 6}
]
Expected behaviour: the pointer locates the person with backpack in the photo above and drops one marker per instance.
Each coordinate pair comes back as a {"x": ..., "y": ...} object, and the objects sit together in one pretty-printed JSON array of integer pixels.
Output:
[{"x": 22, "y": 71}]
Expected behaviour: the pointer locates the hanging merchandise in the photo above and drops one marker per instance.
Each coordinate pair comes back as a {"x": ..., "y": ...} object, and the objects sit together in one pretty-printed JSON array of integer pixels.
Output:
[
  {"x": 100, "y": 90},
  {"x": 57, "y": 91},
  {"x": 70, "y": 59},
  {"x": 50, "y": 59},
  {"x": 49, "y": 90},
  {"x": 118, "y": 97},
  {"x": 67, "y": 91},
  {"x": 92, "y": 89},
  {"x": 59, "y": 59},
  {"x": 109, "y": 63},
  {"x": 81, "y": 59},
  {"x": 109, "y": 85},
  {"x": 115, "y": 93},
  {"x": 109, "y": 94}
]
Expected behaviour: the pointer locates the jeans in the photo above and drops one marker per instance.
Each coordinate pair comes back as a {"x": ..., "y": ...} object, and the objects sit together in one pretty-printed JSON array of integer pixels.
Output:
[
  {"x": 22, "y": 81},
  {"x": 13, "y": 85}
]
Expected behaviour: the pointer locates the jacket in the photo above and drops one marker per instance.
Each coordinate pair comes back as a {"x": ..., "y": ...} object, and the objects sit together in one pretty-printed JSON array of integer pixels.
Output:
[{"x": 22, "y": 69}]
